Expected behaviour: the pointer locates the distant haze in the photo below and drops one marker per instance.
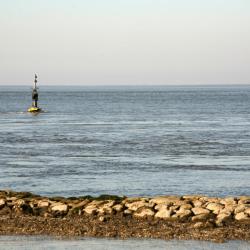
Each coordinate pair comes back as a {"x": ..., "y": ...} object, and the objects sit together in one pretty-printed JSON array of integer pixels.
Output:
[{"x": 125, "y": 42}]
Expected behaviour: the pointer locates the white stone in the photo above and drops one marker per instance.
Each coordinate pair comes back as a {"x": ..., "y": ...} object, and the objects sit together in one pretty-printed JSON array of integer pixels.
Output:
[
  {"x": 199, "y": 210},
  {"x": 2, "y": 203},
  {"x": 215, "y": 207},
  {"x": 43, "y": 204},
  {"x": 60, "y": 208},
  {"x": 144, "y": 213},
  {"x": 118, "y": 207},
  {"x": 134, "y": 206},
  {"x": 241, "y": 216},
  {"x": 163, "y": 214}
]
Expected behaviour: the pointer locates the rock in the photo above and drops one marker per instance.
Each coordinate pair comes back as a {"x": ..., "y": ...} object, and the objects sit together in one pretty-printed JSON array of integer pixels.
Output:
[
  {"x": 90, "y": 209},
  {"x": 215, "y": 207},
  {"x": 43, "y": 204},
  {"x": 106, "y": 208},
  {"x": 63, "y": 208},
  {"x": 247, "y": 211},
  {"x": 181, "y": 203},
  {"x": 2, "y": 203},
  {"x": 134, "y": 206},
  {"x": 228, "y": 209},
  {"x": 197, "y": 203},
  {"x": 81, "y": 204},
  {"x": 19, "y": 202},
  {"x": 161, "y": 206},
  {"x": 101, "y": 218},
  {"x": 173, "y": 208},
  {"x": 127, "y": 212},
  {"x": 145, "y": 212},
  {"x": 183, "y": 214},
  {"x": 166, "y": 200},
  {"x": 241, "y": 216},
  {"x": 11, "y": 199},
  {"x": 200, "y": 217},
  {"x": 223, "y": 217},
  {"x": 244, "y": 200},
  {"x": 228, "y": 201},
  {"x": 241, "y": 208},
  {"x": 209, "y": 200},
  {"x": 118, "y": 207},
  {"x": 199, "y": 210},
  {"x": 186, "y": 207},
  {"x": 134, "y": 199},
  {"x": 163, "y": 214}
]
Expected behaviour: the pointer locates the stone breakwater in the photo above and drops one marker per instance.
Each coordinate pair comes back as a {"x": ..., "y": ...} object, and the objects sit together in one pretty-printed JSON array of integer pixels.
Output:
[{"x": 167, "y": 217}]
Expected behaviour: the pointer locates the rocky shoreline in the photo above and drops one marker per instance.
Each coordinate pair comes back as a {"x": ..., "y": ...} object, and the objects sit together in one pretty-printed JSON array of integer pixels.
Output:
[{"x": 167, "y": 217}]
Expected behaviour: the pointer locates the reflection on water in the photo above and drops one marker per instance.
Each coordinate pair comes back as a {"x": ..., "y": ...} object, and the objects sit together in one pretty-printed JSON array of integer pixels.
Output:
[{"x": 35, "y": 243}]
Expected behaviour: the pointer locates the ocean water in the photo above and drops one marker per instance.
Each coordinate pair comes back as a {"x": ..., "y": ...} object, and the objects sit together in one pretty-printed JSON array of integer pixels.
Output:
[
  {"x": 126, "y": 140},
  {"x": 40, "y": 243}
]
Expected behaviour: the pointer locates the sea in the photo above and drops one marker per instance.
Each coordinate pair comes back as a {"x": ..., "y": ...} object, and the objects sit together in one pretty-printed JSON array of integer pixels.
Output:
[{"x": 126, "y": 141}]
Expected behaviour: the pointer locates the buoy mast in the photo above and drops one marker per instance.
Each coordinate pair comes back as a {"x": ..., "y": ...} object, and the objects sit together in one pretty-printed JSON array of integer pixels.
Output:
[{"x": 35, "y": 94}]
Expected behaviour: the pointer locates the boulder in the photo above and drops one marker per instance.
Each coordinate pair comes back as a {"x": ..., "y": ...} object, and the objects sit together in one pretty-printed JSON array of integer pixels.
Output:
[
  {"x": 181, "y": 203},
  {"x": 166, "y": 200},
  {"x": 241, "y": 216},
  {"x": 19, "y": 202},
  {"x": 118, "y": 207},
  {"x": 163, "y": 214},
  {"x": 90, "y": 209},
  {"x": 241, "y": 208},
  {"x": 215, "y": 207},
  {"x": 223, "y": 217},
  {"x": 183, "y": 214},
  {"x": 145, "y": 212},
  {"x": 186, "y": 207},
  {"x": 127, "y": 212},
  {"x": 2, "y": 203},
  {"x": 244, "y": 200},
  {"x": 81, "y": 204},
  {"x": 228, "y": 201},
  {"x": 63, "y": 208},
  {"x": 134, "y": 206},
  {"x": 228, "y": 209},
  {"x": 199, "y": 210},
  {"x": 43, "y": 204},
  {"x": 247, "y": 211},
  {"x": 161, "y": 206},
  {"x": 209, "y": 200},
  {"x": 197, "y": 203},
  {"x": 106, "y": 208}
]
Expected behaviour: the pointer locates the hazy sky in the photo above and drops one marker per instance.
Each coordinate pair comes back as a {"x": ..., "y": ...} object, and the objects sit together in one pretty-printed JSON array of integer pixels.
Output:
[{"x": 125, "y": 41}]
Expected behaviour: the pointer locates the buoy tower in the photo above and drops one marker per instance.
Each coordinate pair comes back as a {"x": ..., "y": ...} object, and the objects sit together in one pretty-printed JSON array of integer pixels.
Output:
[{"x": 34, "y": 107}]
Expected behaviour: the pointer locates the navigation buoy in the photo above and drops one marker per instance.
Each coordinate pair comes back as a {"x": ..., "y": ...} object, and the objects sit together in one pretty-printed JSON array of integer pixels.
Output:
[{"x": 34, "y": 108}]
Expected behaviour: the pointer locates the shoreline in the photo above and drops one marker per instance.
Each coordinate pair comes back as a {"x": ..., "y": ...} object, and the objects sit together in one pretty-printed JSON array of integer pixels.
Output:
[{"x": 190, "y": 217}]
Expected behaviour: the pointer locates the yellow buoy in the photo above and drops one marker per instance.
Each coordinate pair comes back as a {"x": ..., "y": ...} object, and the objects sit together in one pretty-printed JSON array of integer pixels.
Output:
[{"x": 34, "y": 109}]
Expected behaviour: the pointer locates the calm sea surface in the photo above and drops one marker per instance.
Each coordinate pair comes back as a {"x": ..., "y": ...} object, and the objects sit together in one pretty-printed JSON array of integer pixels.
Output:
[
  {"x": 126, "y": 141},
  {"x": 47, "y": 243}
]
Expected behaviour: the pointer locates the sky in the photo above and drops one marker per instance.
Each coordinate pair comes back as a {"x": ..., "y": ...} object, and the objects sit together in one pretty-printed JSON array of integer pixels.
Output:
[{"x": 125, "y": 42}]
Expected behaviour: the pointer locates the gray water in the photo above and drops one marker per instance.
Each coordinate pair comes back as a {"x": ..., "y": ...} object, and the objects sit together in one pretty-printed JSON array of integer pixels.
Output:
[
  {"x": 39, "y": 243},
  {"x": 126, "y": 141}
]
